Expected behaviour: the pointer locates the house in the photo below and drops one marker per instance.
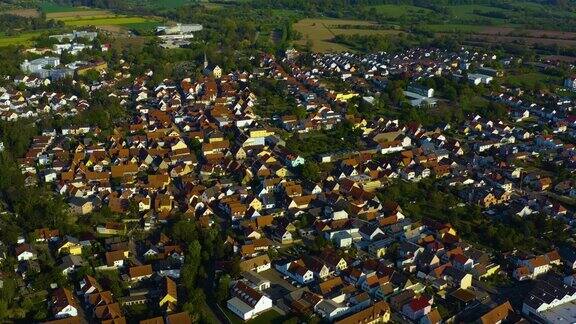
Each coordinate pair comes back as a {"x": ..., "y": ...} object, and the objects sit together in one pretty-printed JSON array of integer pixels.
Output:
[
  {"x": 247, "y": 302},
  {"x": 88, "y": 285},
  {"x": 282, "y": 235},
  {"x": 417, "y": 308},
  {"x": 317, "y": 266},
  {"x": 178, "y": 318},
  {"x": 458, "y": 278},
  {"x": 138, "y": 273},
  {"x": 257, "y": 264},
  {"x": 70, "y": 245},
  {"x": 70, "y": 263},
  {"x": 256, "y": 281},
  {"x": 81, "y": 205},
  {"x": 377, "y": 313},
  {"x": 108, "y": 312},
  {"x": 63, "y": 304},
  {"x": 115, "y": 259},
  {"x": 112, "y": 228},
  {"x": 334, "y": 261},
  {"x": 169, "y": 295},
  {"x": 296, "y": 270},
  {"x": 497, "y": 314},
  {"x": 25, "y": 252},
  {"x": 549, "y": 293}
]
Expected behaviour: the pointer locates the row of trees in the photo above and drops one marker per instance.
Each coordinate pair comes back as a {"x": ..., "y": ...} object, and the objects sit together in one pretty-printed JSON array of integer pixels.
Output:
[{"x": 9, "y": 23}]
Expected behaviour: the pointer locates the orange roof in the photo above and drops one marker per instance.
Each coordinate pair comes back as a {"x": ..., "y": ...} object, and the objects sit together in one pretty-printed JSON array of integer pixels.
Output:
[{"x": 140, "y": 271}]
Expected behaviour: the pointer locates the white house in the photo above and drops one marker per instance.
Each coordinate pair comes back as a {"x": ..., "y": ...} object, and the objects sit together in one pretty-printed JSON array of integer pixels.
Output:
[
  {"x": 24, "y": 252},
  {"x": 63, "y": 303},
  {"x": 247, "y": 302},
  {"x": 296, "y": 270}
]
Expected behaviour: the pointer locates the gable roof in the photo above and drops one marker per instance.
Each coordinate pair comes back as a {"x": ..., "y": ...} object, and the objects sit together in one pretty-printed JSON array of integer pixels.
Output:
[
  {"x": 367, "y": 315},
  {"x": 497, "y": 314}
]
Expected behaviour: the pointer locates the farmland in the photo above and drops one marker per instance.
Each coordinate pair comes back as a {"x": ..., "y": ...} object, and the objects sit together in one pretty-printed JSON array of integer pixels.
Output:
[
  {"x": 21, "y": 39},
  {"x": 23, "y": 12},
  {"x": 400, "y": 10},
  {"x": 104, "y": 19},
  {"x": 321, "y": 32}
]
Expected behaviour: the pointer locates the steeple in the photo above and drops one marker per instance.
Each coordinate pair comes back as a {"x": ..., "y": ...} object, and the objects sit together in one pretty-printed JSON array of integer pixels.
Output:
[{"x": 205, "y": 61}]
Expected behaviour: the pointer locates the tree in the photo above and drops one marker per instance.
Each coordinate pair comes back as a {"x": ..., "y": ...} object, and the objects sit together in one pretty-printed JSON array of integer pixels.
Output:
[
  {"x": 310, "y": 171},
  {"x": 223, "y": 288},
  {"x": 300, "y": 113},
  {"x": 191, "y": 267}
]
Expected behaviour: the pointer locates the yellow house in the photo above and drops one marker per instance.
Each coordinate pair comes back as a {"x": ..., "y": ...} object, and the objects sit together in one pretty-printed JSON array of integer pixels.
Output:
[
  {"x": 170, "y": 297},
  {"x": 345, "y": 96},
  {"x": 491, "y": 270},
  {"x": 69, "y": 247},
  {"x": 217, "y": 72},
  {"x": 260, "y": 133},
  {"x": 466, "y": 281},
  {"x": 377, "y": 313},
  {"x": 256, "y": 204},
  {"x": 283, "y": 172},
  {"x": 377, "y": 251},
  {"x": 448, "y": 230},
  {"x": 179, "y": 146}
]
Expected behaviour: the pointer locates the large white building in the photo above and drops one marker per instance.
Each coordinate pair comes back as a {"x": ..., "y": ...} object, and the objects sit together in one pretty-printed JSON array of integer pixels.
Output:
[
  {"x": 551, "y": 301},
  {"x": 179, "y": 29},
  {"x": 247, "y": 302},
  {"x": 40, "y": 66},
  {"x": 75, "y": 35}
]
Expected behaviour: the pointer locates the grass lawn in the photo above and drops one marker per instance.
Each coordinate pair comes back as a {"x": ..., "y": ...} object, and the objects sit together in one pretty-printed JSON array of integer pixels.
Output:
[
  {"x": 142, "y": 26},
  {"x": 529, "y": 80}
]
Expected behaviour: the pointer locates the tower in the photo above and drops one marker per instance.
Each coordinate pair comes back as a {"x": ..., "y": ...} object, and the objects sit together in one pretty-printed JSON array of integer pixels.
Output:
[{"x": 205, "y": 61}]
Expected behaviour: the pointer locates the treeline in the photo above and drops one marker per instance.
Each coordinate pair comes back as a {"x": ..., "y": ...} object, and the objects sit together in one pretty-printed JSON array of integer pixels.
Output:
[
  {"x": 11, "y": 23},
  {"x": 330, "y": 5},
  {"x": 376, "y": 43}
]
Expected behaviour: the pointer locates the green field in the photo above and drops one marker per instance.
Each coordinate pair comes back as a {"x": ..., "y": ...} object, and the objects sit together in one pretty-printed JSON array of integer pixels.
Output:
[
  {"x": 471, "y": 12},
  {"x": 530, "y": 79},
  {"x": 321, "y": 32},
  {"x": 22, "y": 39},
  {"x": 81, "y": 16},
  {"x": 49, "y": 7},
  {"x": 396, "y": 11}
]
